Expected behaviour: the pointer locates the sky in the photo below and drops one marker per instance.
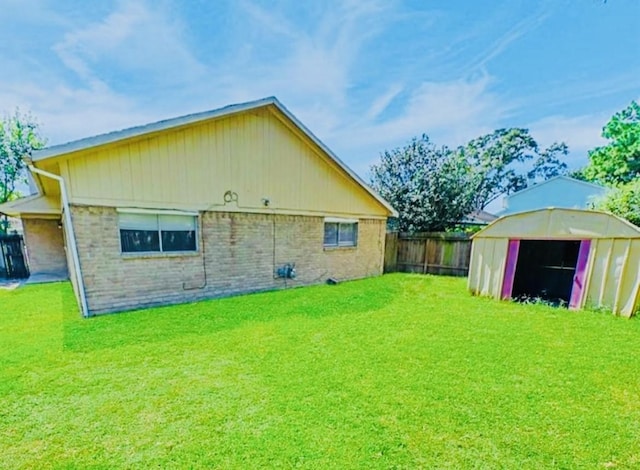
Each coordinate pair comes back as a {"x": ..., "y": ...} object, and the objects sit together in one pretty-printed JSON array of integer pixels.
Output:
[{"x": 364, "y": 76}]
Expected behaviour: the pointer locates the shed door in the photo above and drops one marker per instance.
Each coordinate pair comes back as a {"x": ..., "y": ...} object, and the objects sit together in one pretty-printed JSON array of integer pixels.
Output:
[
  {"x": 552, "y": 270},
  {"x": 580, "y": 275},
  {"x": 510, "y": 269}
]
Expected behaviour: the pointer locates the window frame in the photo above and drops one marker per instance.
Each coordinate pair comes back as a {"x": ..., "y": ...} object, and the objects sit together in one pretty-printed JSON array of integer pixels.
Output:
[
  {"x": 339, "y": 222},
  {"x": 157, "y": 213}
]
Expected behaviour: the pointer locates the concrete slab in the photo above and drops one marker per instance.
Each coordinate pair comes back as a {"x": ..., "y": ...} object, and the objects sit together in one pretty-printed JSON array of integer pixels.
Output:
[
  {"x": 10, "y": 284},
  {"x": 41, "y": 278}
]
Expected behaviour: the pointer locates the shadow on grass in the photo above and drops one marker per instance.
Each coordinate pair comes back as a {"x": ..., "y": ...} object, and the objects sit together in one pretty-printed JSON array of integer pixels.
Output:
[{"x": 210, "y": 316}]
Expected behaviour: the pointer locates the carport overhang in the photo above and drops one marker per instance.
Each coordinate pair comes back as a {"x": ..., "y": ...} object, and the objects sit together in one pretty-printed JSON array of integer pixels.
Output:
[{"x": 33, "y": 207}]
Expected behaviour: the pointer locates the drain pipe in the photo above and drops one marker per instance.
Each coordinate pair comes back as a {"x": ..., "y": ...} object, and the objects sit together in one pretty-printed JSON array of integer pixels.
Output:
[{"x": 70, "y": 233}]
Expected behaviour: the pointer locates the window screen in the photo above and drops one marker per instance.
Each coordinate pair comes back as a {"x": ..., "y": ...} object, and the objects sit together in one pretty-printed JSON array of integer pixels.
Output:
[
  {"x": 139, "y": 233},
  {"x": 340, "y": 234},
  {"x": 157, "y": 233}
]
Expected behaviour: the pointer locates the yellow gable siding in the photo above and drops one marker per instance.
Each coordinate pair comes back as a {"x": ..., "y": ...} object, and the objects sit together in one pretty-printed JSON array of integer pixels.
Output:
[
  {"x": 256, "y": 155},
  {"x": 51, "y": 187}
]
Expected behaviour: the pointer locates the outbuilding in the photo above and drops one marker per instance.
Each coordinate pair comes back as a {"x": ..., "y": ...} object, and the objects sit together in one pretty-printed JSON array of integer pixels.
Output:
[{"x": 570, "y": 257}]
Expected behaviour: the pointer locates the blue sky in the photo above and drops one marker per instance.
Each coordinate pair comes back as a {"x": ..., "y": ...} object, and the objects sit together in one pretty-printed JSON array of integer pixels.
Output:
[{"x": 364, "y": 76}]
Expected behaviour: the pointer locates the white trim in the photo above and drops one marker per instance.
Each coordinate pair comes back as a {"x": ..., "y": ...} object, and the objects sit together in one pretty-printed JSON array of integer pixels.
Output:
[
  {"x": 340, "y": 220},
  {"x": 75, "y": 256},
  {"x": 207, "y": 207},
  {"x": 135, "y": 210}
]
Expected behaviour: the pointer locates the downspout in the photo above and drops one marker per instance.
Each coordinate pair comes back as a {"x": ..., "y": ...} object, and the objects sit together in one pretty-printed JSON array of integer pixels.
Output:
[{"x": 70, "y": 232}]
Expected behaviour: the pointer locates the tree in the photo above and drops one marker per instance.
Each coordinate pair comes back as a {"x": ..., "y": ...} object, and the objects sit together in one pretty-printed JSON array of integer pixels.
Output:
[
  {"x": 19, "y": 136},
  {"x": 434, "y": 188},
  {"x": 623, "y": 201},
  {"x": 508, "y": 160},
  {"x": 619, "y": 160},
  {"x": 427, "y": 185}
]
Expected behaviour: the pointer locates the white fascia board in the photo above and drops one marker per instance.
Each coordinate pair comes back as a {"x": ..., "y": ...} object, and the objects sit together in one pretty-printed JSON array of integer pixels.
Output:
[
  {"x": 340, "y": 220},
  {"x": 135, "y": 210}
]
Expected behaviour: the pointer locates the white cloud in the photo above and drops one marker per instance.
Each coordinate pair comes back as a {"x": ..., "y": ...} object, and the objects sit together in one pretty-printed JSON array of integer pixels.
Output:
[
  {"x": 383, "y": 101},
  {"x": 136, "y": 40},
  {"x": 134, "y": 44},
  {"x": 86, "y": 111},
  {"x": 451, "y": 111},
  {"x": 513, "y": 34},
  {"x": 580, "y": 133},
  {"x": 135, "y": 64}
]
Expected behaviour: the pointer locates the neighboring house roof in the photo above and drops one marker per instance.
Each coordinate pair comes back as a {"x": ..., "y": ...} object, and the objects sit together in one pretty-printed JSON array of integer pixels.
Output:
[
  {"x": 480, "y": 217},
  {"x": 560, "y": 191},
  {"x": 555, "y": 178},
  {"x": 104, "y": 139},
  {"x": 550, "y": 223},
  {"x": 35, "y": 204}
]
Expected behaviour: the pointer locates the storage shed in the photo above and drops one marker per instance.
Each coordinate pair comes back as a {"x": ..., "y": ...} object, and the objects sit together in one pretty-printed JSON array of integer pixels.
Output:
[{"x": 570, "y": 257}]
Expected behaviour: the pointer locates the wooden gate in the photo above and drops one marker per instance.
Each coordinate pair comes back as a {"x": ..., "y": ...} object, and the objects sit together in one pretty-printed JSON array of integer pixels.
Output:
[
  {"x": 13, "y": 265},
  {"x": 428, "y": 253}
]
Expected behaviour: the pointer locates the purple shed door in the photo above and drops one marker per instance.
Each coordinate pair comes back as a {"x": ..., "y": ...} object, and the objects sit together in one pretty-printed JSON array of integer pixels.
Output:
[
  {"x": 510, "y": 268},
  {"x": 580, "y": 275}
]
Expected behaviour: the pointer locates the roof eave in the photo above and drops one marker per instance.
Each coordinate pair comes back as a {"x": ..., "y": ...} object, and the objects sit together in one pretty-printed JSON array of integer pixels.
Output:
[
  {"x": 327, "y": 150},
  {"x": 29, "y": 206},
  {"x": 133, "y": 132}
]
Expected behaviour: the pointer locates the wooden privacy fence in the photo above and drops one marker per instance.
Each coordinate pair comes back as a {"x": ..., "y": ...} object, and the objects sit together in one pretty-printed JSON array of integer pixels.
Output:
[
  {"x": 12, "y": 259},
  {"x": 428, "y": 253}
]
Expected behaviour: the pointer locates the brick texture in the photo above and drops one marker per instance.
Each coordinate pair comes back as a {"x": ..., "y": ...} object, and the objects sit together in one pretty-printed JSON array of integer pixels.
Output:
[
  {"x": 240, "y": 253},
  {"x": 45, "y": 246}
]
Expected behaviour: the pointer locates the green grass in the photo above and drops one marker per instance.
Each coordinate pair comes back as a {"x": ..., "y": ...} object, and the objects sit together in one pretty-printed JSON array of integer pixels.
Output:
[{"x": 400, "y": 371}]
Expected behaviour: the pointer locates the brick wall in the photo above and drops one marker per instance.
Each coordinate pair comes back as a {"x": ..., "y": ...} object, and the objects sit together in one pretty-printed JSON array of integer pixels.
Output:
[
  {"x": 239, "y": 252},
  {"x": 45, "y": 246}
]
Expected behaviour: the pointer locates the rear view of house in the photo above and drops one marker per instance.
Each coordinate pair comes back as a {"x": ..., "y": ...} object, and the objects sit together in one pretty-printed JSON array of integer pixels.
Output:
[{"x": 240, "y": 199}]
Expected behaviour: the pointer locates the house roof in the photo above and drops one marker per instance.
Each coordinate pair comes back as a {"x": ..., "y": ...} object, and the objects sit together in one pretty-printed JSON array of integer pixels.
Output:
[
  {"x": 479, "y": 217},
  {"x": 32, "y": 205},
  {"x": 111, "y": 137},
  {"x": 555, "y": 223},
  {"x": 556, "y": 178}
]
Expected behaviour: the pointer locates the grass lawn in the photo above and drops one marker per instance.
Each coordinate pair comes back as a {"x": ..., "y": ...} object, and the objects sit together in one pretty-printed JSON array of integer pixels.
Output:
[{"x": 401, "y": 371}]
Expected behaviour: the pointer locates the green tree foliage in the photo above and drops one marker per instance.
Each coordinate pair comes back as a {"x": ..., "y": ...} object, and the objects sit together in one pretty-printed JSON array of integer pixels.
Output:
[
  {"x": 623, "y": 201},
  {"x": 619, "y": 160},
  {"x": 427, "y": 185},
  {"x": 19, "y": 136},
  {"x": 434, "y": 188},
  {"x": 508, "y": 160}
]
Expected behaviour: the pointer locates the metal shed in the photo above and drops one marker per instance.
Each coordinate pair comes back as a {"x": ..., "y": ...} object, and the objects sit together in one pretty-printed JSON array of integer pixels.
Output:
[{"x": 570, "y": 257}]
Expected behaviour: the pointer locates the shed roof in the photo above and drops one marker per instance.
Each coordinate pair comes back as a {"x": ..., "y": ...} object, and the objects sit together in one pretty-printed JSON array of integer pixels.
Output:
[
  {"x": 552, "y": 223},
  {"x": 104, "y": 139}
]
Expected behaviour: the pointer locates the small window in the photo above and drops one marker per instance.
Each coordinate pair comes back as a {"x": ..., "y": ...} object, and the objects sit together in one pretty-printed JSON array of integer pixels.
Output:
[
  {"x": 340, "y": 233},
  {"x": 144, "y": 233}
]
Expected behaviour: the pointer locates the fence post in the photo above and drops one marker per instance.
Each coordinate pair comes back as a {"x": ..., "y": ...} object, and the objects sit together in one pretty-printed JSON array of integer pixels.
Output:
[
  {"x": 425, "y": 266},
  {"x": 391, "y": 252},
  {"x": 12, "y": 253}
]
